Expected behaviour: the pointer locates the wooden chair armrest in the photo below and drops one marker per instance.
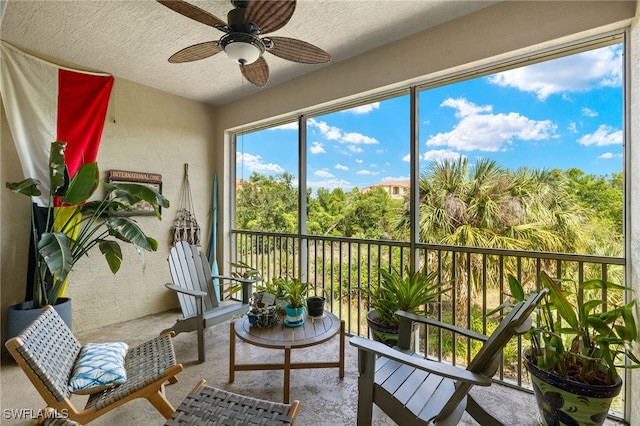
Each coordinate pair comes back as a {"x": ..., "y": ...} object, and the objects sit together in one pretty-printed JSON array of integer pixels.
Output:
[
  {"x": 438, "y": 368},
  {"x": 459, "y": 330},
  {"x": 243, "y": 281},
  {"x": 195, "y": 293}
]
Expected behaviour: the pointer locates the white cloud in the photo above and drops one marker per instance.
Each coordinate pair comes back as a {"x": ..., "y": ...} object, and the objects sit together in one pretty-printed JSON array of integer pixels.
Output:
[
  {"x": 329, "y": 184},
  {"x": 358, "y": 161},
  {"x": 575, "y": 73},
  {"x": 317, "y": 148},
  {"x": 336, "y": 134},
  {"x": 358, "y": 138},
  {"x": 478, "y": 129},
  {"x": 395, "y": 178},
  {"x": 355, "y": 149},
  {"x": 465, "y": 108},
  {"x": 254, "y": 163},
  {"x": 407, "y": 158},
  {"x": 363, "y": 109},
  {"x": 589, "y": 112},
  {"x": 341, "y": 167},
  {"x": 366, "y": 172},
  {"x": 573, "y": 128},
  {"x": 288, "y": 126},
  {"x": 609, "y": 156},
  {"x": 323, "y": 174},
  {"x": 605, "y": 135},
  {"x": 330, "y": 132},
  {"x": 440, "y": 155}
]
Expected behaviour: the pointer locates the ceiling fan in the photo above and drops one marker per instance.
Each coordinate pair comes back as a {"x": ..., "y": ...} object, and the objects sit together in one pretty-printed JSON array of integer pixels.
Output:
[{"x": 241, "y": 40}]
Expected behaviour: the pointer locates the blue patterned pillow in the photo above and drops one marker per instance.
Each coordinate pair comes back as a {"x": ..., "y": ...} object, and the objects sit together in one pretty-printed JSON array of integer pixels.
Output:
[{"x": 99, "y": 366}]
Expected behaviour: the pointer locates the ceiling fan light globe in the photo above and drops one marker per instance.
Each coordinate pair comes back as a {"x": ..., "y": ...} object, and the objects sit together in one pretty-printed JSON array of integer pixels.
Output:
[{"x": 242, "y": 48}]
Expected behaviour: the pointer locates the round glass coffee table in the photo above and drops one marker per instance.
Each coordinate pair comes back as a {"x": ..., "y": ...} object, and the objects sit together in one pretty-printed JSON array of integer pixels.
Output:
[{"x": 313, "y": 332}]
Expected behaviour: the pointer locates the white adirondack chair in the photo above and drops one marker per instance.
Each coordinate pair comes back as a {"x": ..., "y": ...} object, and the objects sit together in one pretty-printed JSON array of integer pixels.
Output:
[{"x": 193, "y": 282}]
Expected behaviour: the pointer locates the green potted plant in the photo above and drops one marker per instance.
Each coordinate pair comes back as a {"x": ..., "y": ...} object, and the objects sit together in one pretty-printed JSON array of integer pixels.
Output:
[
  {"x": 294, "y": 291},
  {"x": 80, "y": 226},
  {"x": 410, "y": 292},
  {"x": 577, "y": 348},
  {"x": 315, "y": 304},
  {"x": 263, "y": 312}
]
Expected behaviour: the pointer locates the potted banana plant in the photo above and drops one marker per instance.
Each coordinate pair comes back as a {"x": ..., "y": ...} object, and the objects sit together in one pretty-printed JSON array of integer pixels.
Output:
[
  {"x": 72, "y": 231},
  {"x": 578, "y": 346}
]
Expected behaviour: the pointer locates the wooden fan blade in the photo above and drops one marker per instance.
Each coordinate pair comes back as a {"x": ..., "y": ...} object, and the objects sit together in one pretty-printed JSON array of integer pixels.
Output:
[
  {"x": 195, "y": 52},
  {"x": 270, "y": 15},
  {"x": 299, "y": 51},
  {"x": 256, "y": 73},
  {"x": 193, "y": 12}
]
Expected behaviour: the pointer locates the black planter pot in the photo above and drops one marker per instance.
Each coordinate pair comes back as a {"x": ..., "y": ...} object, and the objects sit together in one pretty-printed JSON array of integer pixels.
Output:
[
  {"x": 20, "y": 316},
  {"x": 566, "y": 402},
  {"x": 315, "y": 306},
  {"x": 382, "y": 333}
]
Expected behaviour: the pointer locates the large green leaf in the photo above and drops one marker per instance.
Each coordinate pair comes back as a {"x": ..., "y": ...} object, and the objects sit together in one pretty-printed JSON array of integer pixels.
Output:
[
  {"x": 54, "y": 249},
  {"x": 127, "y": 229},
  {"x": 113, "y": 254},
  {"x": 516, "y": 289},
  {"x": 560, "y": 301},
  {"x": 601, "y": 285},
  {"x": 133, "y": 193},
  {"x": 83, "y": 185},
  {"x": 28, "y": 187}
]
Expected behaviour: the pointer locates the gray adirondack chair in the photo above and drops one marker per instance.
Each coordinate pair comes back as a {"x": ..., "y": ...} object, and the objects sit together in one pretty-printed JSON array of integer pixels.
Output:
[
  {"x": 193, "y": 282},
  {"x": 416, "y": 391}
]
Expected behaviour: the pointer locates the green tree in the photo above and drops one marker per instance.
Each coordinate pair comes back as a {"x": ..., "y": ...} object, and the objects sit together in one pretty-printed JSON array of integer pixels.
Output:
[
  {"x": 601, "y": 194},
  {"x": 267, "y": 203},
  {"x": 485, "y": 205},
  {"x": 325, "y": 211}
]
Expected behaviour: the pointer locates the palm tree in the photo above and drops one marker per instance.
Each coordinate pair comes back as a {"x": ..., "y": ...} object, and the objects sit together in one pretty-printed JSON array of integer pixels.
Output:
[{"x": 486, "y": 205}]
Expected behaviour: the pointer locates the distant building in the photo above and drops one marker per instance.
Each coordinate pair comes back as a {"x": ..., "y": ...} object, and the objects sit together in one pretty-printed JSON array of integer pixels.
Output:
[{"x": 395, "y": 189}]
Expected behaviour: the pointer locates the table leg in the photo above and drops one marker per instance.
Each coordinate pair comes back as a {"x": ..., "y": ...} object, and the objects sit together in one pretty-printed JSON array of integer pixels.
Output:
[
  {"x": 287, "y": 373},
  {"x": 232, "y": 352},
  {"x": 342, "y": 349}
]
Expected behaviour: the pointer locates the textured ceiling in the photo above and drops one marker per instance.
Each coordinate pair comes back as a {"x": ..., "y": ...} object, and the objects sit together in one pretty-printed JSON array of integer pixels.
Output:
[{"x": 133, "y": 39}]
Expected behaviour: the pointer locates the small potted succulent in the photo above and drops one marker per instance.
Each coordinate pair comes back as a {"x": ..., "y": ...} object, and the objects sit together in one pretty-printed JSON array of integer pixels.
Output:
[{"x": 264, "y": 312}]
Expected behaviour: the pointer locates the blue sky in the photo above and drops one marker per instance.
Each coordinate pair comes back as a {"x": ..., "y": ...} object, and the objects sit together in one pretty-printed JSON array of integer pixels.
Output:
[{"x": 562, "y": 113}]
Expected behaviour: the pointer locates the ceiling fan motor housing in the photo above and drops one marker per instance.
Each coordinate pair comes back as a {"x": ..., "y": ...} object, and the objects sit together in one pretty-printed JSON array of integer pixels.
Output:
[{"x": 242, "y": 48}]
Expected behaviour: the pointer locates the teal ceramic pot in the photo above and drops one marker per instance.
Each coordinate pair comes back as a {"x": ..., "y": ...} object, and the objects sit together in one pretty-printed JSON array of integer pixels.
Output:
[
  {"x": 566, "y": 402},
  {"x": 294, "y": 317}
]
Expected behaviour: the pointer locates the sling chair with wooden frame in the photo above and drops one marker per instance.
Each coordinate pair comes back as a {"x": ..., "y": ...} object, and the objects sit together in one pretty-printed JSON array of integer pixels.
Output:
[
  {"x": 413, "y": 390},
  {"x": 47, "y": 351},
  {"x": 193, "y": 282}
]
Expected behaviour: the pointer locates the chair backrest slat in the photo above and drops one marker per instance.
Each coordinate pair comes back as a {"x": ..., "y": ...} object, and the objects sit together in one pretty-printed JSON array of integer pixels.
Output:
[
  {"x": 49, "y": 347},
  {"x": 190, "y": 270}
]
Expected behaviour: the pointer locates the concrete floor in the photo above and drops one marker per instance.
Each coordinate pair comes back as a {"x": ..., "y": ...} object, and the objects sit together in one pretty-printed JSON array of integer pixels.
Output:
[{"x": 325, "y": 398}]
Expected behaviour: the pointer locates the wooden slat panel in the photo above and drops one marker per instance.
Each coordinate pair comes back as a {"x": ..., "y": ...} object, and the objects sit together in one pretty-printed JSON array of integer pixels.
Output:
[
  {"x": 422, "y": 395},
  {"x": 413, "y": 382},
  {"x": 398, "y": 377}
]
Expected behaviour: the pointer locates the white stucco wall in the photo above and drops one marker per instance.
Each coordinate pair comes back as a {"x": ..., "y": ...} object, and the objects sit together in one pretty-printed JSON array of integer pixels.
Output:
[{"x": 146, "y": 130}]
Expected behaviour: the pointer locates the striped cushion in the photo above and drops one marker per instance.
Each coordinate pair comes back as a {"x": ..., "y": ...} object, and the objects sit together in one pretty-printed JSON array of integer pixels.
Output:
[{"x": 99, "y": 366}]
